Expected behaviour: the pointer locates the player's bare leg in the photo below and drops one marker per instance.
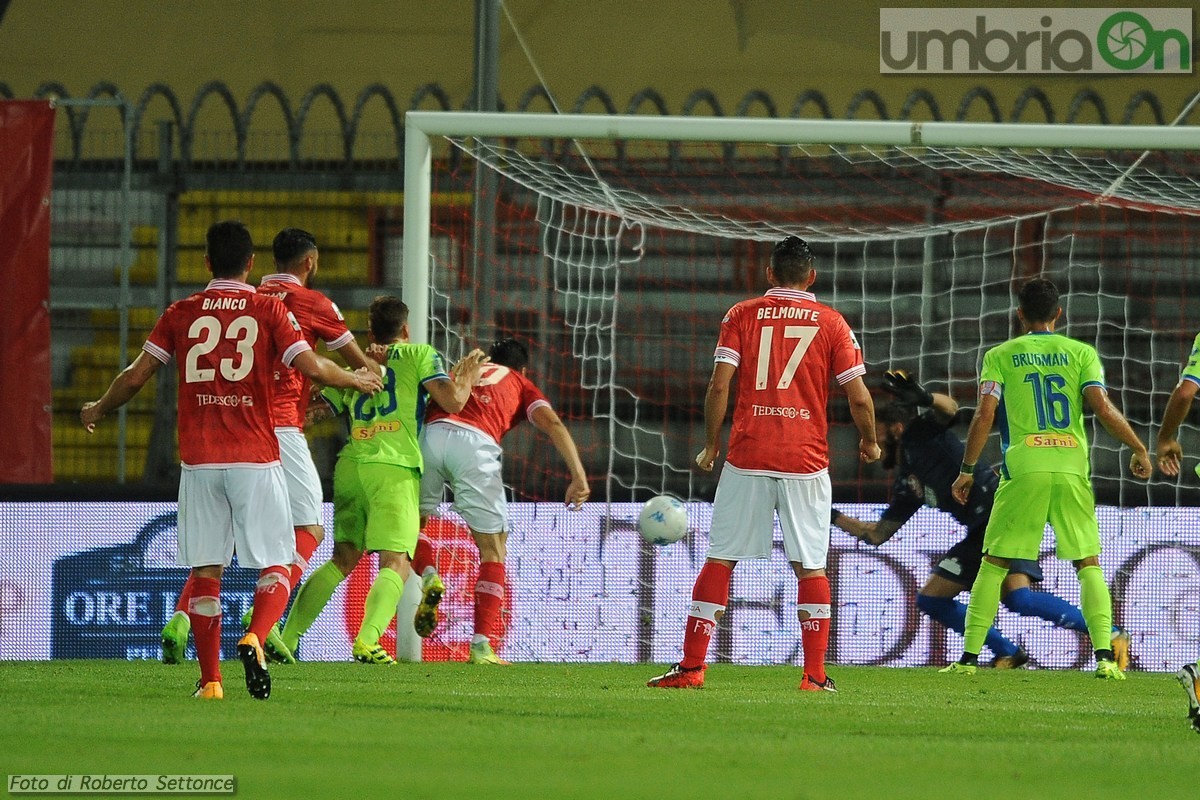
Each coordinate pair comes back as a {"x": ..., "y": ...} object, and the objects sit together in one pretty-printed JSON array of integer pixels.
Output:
[{"x": 489, "y": 596}]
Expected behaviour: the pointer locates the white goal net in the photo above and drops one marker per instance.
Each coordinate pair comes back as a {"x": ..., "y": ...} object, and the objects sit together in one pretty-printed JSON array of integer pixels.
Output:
[{"x": 614, "y": 259}]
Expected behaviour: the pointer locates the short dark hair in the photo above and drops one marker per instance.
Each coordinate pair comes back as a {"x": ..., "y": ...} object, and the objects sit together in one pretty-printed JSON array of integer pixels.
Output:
[
  {"x": 229, "y": 247},
  {"x": 385, "y": 317},
  {"x": 895, "y": 411},
  {"x": 508, "y": 352},
  {"x": 291, "y": 244},
  {"x": 1038, "y": 300},
  {"x": 792, "y": 259}
]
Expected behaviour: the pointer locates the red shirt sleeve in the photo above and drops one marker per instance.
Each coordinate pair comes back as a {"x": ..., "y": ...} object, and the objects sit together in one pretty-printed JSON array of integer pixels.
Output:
[
  {"x": 729, "y": 340},
  {"x": 847, "y": 358},
  {"x": 532, "y": 398},
  {"x": 284, "y": 331},
  {"x": 161, "y": 342},
  {"x": 328, "y": 323}
]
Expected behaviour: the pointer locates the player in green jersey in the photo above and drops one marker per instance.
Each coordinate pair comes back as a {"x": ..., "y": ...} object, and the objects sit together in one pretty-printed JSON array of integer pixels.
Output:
[
  {"x": 1037, "y": 385},
  {"x": 377, "y": 480},
  {"x": 1170, "y": 458}
]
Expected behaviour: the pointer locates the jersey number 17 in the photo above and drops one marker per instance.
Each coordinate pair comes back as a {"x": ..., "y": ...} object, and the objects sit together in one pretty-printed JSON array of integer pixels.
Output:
[{"x": 803, "y": 336}]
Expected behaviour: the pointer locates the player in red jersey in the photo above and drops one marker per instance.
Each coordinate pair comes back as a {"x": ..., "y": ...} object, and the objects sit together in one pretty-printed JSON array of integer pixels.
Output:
[
  {"x": 296, "y": 261},
  {"x": 785, "y": 346},
  {"x": 463, "y": 450},
  {"x": 227, "y": 341}
]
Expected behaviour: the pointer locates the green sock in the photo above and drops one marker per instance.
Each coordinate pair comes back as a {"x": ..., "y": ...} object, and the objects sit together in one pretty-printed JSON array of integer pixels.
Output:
[
  {"x": 312, "y": 598},
  {"x": 381, "y": 605},
  {"x": 179, "y": 621},
  {"x": 983, "y": 605},
  {"x": 1096, "y": 604}
]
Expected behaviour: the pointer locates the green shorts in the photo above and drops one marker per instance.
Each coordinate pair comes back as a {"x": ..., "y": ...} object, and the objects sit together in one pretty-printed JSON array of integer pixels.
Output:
[
  {"x": 376, "y": 506},
  {"x": 1025, "y": 504}
]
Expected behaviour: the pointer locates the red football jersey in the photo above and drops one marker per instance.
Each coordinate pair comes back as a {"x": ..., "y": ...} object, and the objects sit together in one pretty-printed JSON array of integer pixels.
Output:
[
  {"x": 497, "y": 404},
  {"x": 226, "y": 341},
  {"x": 319, "y": 318},
  {"x": 786, "y": 347}
]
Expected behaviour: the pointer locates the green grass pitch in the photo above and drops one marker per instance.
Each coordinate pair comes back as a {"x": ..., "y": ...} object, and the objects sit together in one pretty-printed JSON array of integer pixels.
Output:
[{"x": 441, "y": 730}]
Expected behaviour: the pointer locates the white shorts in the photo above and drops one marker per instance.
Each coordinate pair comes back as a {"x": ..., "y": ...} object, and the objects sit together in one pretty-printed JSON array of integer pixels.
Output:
[
  {"x": 303, "y": 482},
  {"x": 470, "y": 462},
  {"x": 239, "y": 508},
  {"x": 743, "y": 521}
]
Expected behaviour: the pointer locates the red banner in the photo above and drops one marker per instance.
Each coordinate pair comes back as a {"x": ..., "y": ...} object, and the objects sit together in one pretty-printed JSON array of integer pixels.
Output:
[{"x": 26, "y": 163}]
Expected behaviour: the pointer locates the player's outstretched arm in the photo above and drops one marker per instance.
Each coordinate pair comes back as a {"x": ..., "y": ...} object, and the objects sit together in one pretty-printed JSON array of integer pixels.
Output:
[
  {"x": 862, "y": 411},
  {"x": 977, "y": 434},
  {"x": 453, "y": 393},
  {"x": 907, "y": 389},
  {"x": 357, "y": 359},
  {"x": 716, "y": 403},
  {"x": 548, "y": 422},
  {"x": 1115, "y": 423},
  {"x": 945, "y": 407},
  {"x": 377, "y": 353},
  {"x": 123, "y": 388},
  {"x": 1170, "y": 454},
  {"x": 875, "y": 533},
  {"x": 326, "y": 372}
]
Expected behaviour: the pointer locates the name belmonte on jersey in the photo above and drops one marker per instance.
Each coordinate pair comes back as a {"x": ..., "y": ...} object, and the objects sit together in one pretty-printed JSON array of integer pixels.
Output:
[{"x": 786, "y": 346}]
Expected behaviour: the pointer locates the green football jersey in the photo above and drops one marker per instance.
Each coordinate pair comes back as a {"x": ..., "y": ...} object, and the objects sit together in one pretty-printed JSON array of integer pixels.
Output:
[
  {"x": 384, "y": 426},
  {"x": 1040, "y": 378},
  {"x": 1192, "y": 370}
]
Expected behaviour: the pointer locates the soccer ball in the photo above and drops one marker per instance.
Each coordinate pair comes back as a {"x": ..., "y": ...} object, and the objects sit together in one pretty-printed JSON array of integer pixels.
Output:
[{"x": 663, "y": 520}]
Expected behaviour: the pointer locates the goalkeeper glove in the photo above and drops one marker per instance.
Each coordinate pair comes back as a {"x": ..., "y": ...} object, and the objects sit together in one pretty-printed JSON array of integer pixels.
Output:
[{"x": 906, "y": 389}]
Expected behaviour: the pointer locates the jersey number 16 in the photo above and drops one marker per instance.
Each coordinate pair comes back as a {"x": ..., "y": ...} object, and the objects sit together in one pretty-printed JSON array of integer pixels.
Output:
[{"x": 1052, "y": 406}]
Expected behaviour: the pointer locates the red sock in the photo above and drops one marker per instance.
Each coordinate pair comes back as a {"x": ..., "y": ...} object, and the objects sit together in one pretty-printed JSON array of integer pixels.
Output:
[
  {"x": 814, "y": 601},
  {"x": 204, "y": 611},
  {"x": 306, "y": 545},
  {"x": 185, "y": 594},
  {"x": 489, "y": 597},
  {"x": 422, "y": 556},
  {"x": 270, "y": 598},
  {"x": 710, "y": 595}
]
